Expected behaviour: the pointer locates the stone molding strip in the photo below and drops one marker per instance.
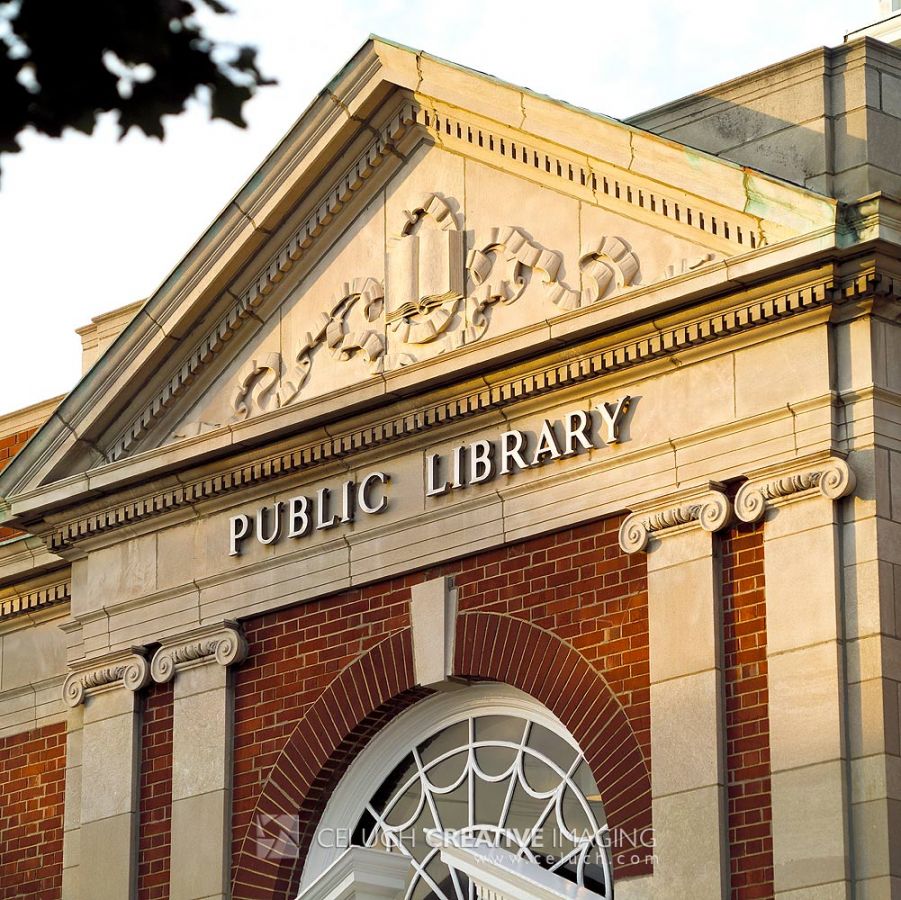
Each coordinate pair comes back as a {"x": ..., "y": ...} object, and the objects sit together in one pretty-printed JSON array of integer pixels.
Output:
[
  {"x": 833, "y": 478},
  {"x": 124, "y": 669},
  {"x": 222, "y": 643},
  {"x": 545, "y": 380},
  {"x": 31, "y": 601},
  {"x": 338, "y": 196},
  {"x": 707, "y": 508}
]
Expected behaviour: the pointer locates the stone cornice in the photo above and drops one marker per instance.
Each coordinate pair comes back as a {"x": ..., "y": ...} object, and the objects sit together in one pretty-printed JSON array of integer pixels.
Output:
[
  {"x": 125, "y": 669},
  {"x": 706, "y": 508},
  {"x": 828, "y": 476},
  {"x": 222, "y": 643},
  {"x": 542, "y": 380},
  {"x": 30, "y": 417}
]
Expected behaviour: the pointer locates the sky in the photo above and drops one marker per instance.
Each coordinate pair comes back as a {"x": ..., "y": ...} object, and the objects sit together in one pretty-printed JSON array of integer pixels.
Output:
[{"x": 88, "y": 224}]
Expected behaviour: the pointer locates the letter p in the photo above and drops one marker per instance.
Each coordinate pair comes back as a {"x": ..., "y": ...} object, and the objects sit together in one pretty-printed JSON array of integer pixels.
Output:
[{"x": 240, "y": 528}]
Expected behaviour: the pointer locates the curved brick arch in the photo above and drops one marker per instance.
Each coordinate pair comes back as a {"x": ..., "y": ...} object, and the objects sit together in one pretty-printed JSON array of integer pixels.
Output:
[
  {"x": 361, "y": 699},
  {"x": 501, "y": 648},
  {"x": 374, "y": 688}
]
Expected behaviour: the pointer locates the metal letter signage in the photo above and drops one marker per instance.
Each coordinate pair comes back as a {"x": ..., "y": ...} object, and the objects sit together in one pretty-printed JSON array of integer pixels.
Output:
[
  {"x": 301, "y": 516},
  {"x": 465, "y": 466},
  {"x": 514, "y": 451}
]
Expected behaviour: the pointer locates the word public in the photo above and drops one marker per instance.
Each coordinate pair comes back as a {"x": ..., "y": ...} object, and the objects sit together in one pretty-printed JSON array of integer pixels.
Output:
[
  {"x": 300, "y": 515},
  {"x": 469, "y": 464}
]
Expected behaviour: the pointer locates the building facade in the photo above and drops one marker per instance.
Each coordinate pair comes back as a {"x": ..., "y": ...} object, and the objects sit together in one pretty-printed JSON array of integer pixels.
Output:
[{"x": 491, "y": 474}]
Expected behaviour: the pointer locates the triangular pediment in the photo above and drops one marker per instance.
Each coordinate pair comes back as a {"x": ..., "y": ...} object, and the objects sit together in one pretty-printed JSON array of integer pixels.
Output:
[{"x": 416, "y": 213}]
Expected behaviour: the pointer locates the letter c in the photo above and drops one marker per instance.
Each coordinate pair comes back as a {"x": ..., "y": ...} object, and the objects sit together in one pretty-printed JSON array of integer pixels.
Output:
[{"x": 363, "y": 497}]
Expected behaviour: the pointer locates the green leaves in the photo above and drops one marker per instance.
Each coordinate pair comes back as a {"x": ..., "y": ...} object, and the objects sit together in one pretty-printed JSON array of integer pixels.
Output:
[{"x": 62, "y": 64}]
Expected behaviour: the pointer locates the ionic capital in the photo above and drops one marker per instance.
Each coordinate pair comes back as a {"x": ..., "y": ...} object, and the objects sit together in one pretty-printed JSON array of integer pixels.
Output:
[
  {"x": 829, "y": 476},
  {"x": 127, "y": 669},
  {"x": 706, "y": 507},
  {"x": 222, "y": 643}
]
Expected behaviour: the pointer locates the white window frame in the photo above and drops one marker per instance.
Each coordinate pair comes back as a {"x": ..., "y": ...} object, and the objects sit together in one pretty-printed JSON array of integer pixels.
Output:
[{"x": 389, "y": 747}]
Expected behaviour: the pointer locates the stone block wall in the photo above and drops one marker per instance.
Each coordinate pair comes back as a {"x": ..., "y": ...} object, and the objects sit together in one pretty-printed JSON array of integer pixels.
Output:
[
  {"x": 828, "y": 120},
  {"x": 32, "y": 787}
]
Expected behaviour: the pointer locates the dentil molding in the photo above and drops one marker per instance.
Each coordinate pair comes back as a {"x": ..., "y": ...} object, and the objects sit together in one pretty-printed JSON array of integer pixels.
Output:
[
  {"x": 34, "y": 600},
  {"x": 831, "y": 477},
  {"x": 222, "y": 643},
  {"x": 125, "y": 669},
  {"x": 707, "y": 508}
]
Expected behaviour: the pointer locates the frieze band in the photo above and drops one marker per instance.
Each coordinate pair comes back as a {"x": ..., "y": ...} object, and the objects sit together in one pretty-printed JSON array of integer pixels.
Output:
[{"x": 545, "y": 380}]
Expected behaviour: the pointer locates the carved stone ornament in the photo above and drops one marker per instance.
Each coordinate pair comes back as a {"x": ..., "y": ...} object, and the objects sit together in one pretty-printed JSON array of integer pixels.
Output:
[
  {"x": 425, "y": 300},
  {"x": 221, "y": 643},
  {"x": 610, "y": 266},
  {"x": 125, "y": 669},
  {"x": 709, "y": 509},
  {"x": 833, "y": 478},
  {"x": 683, "y": 266},
  {"x": 263, "y": 385},
  {"x": 425, "y": 273},
  {"x": 626, "y": 191}
]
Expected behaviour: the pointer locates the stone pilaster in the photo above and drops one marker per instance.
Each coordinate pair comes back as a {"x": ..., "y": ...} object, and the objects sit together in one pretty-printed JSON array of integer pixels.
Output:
[
  {"x": 100, "y": 854},
  {"x": 688, "y": 777},
  {"x": 201, "y": 756},
  {"x": 802, "y": 563}
]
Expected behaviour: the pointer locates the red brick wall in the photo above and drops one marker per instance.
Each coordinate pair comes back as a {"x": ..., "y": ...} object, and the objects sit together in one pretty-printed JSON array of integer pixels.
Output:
[
  {"x": 32, "y": 790},
  {"x": 294, "y": 655},
  {"x": 576, "y": 584},
  {"x": 9, "y": 447},
  {"x": 747, "y": 714},
  {"x": 155, "y": 798}
]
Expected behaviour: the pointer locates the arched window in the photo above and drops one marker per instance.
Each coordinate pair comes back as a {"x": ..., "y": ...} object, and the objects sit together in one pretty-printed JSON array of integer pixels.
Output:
[{"x": 484, "y": 762}]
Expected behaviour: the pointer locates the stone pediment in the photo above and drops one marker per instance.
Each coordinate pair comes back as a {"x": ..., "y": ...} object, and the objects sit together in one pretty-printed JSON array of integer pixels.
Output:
[{"x": 417, "y": 211}]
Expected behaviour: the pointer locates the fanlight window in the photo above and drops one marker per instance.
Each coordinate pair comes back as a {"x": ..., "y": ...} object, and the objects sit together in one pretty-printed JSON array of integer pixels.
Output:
[{"x": 505, "y": 779}]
